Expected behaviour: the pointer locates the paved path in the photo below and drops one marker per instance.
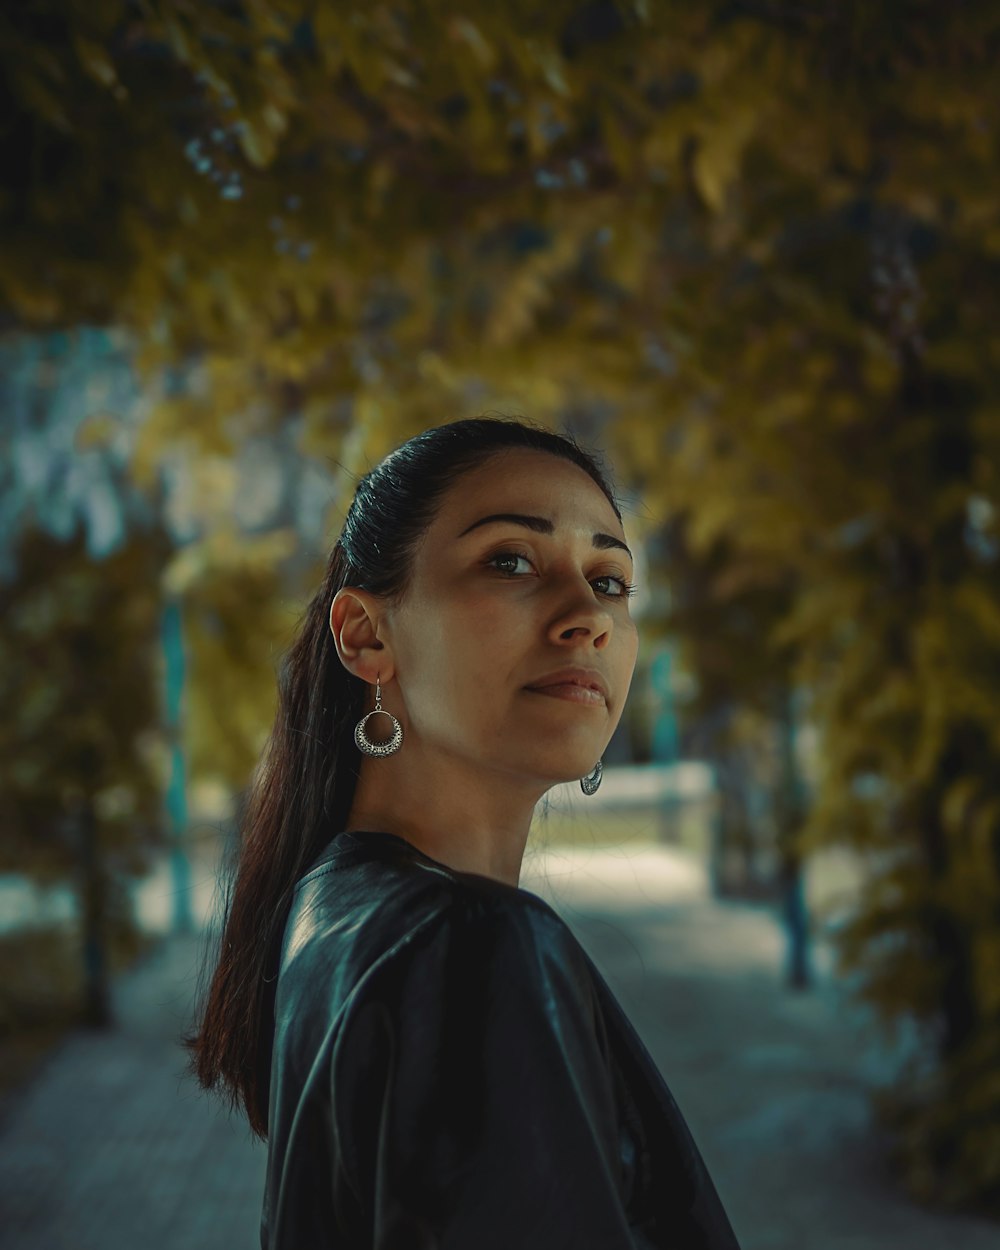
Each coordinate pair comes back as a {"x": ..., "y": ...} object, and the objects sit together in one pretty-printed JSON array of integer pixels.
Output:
[
  {"x": 773, "y": 1083},
  {"x": 110, "y": 1146}
]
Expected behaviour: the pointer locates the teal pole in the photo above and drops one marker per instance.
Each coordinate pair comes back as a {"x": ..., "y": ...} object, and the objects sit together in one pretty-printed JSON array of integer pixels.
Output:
[
  {"x": 176, "y": 797},
  {"x": 666, "y": 747}
]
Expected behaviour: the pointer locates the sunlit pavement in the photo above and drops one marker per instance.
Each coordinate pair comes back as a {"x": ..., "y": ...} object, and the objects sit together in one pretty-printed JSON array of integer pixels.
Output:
[{"x": 111, "y": 1146}]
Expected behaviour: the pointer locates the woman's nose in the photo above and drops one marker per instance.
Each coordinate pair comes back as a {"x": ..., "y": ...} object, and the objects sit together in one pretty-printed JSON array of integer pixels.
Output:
[{"x": 582, "y": 613}]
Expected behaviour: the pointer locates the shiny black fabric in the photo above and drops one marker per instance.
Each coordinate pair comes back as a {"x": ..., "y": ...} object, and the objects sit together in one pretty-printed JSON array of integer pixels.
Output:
[{"x": 451, "y": 1072}]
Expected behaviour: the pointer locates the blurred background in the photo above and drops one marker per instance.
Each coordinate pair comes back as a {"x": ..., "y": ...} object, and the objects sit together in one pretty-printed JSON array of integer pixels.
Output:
[{"x": 750, "y": 253}]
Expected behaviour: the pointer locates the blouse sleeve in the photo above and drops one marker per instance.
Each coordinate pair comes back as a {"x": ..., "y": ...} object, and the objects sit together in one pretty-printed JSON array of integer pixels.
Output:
[{"x": 472, "y": 1101}]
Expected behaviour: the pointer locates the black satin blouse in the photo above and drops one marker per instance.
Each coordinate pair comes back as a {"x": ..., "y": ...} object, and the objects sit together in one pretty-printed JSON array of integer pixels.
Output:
[{"x": 451, "y": 1072}]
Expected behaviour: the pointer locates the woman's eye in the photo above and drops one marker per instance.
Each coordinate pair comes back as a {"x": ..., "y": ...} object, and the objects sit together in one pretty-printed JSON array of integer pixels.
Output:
[
  {"x": 509, "y": 556},
  {"x": 626, "y": 588}
]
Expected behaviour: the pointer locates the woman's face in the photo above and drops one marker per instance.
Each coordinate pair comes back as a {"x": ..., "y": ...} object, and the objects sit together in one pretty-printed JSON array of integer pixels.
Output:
[{"x": 496, "y": 607}]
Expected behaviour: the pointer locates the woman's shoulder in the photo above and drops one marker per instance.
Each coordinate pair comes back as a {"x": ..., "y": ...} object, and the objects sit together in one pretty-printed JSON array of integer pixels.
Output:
[
  {"x": 378, "y": 875},
  {"x": 373, "y": 908},
  {"x": 471, "y": 963}
]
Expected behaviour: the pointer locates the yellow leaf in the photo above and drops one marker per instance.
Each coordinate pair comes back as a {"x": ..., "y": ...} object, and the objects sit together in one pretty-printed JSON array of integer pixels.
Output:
[
  {"x": 461, "y": 30},
  {"x": 95, "y": 61},
  {"x": 258, "y": 142},
  {"x": 716, "y": 161}
]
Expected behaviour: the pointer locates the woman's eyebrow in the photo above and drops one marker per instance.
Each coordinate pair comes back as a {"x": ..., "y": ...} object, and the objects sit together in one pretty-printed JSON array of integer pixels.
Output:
[{"x": 542, "y": 525}]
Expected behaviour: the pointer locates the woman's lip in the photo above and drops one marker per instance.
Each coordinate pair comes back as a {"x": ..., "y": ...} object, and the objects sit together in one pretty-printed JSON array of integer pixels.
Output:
[{"x": 570, "y": 691}]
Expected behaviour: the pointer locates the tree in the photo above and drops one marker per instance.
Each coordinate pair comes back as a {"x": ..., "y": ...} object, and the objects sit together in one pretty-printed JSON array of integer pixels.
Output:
[{"x": 79, "y": 753}]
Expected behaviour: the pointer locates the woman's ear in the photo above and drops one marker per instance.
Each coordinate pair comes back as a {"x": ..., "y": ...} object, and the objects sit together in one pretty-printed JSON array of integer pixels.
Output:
[{"x": 354, "y": 622}]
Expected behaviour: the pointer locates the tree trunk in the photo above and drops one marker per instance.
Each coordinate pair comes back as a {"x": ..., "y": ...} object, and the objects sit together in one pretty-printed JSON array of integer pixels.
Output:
[
  {"x": 790, "y": 807},
  {"x": 93, "y": 912}
]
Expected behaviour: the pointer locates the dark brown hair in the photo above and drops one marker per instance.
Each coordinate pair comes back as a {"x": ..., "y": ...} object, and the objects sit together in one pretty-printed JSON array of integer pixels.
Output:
[{"x": 302, "y": 788}]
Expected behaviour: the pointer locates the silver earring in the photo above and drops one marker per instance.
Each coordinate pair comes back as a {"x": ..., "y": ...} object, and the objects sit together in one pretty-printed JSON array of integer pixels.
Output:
[
  {"x": 592, "y": 780},
  {"x": 378, "y": 748}
]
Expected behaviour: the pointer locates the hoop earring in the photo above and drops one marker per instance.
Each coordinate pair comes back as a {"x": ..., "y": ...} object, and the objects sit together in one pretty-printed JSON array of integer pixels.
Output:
[
  {"x": 592, "y": 780},
  {"x": 364, "y": 743}
]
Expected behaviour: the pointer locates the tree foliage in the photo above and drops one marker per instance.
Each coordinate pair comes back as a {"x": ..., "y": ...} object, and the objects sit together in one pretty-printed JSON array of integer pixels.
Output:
[{"x": 80, "y": 680}]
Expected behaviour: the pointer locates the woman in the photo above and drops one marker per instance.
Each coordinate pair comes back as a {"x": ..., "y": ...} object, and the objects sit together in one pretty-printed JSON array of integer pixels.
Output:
[{"x": 431, "y": 1055}]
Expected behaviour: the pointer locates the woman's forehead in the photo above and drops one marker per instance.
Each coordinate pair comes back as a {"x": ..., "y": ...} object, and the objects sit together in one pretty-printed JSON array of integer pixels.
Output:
[{"x": 533, "y": 483}]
